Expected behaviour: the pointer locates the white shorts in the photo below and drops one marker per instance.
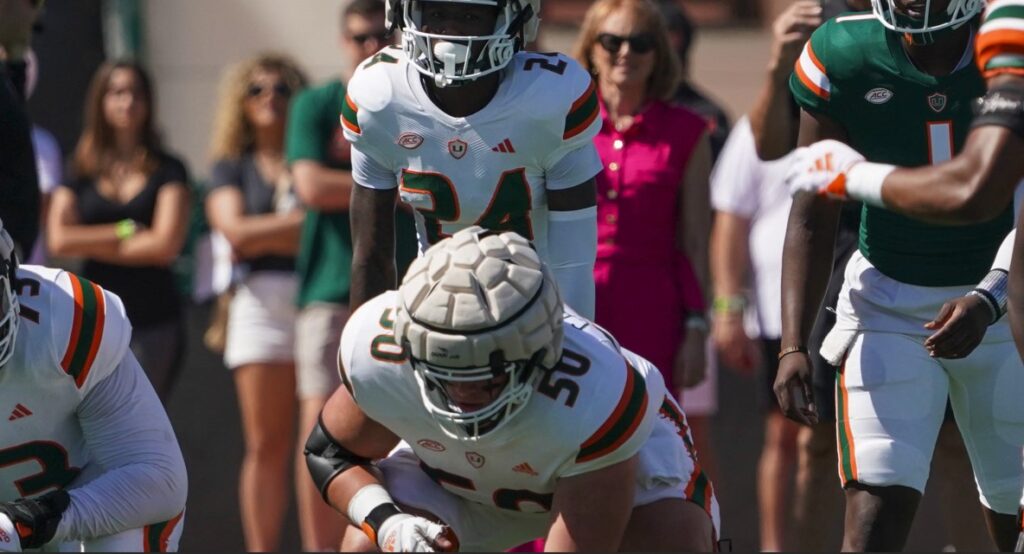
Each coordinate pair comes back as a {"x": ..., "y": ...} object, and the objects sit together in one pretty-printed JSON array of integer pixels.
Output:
[
  {"x": 261, "y": 320},
  {"x": 891, "y": 395},
  {"x": 667, "y": 468},
  {"x": 318, "y": 338},
  {"x": 160, "y": 537}
]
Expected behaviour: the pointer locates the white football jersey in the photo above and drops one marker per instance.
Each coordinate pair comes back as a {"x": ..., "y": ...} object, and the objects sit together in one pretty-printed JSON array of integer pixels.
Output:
[
  {"x": 72, "y": 335},
  {"x": 599, "y": 407},
  {"x": 491, "y": 168}
]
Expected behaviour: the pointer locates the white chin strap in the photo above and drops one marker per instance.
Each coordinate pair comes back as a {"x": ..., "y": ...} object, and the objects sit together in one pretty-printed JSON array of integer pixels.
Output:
[{"x": 449, "y": 54}]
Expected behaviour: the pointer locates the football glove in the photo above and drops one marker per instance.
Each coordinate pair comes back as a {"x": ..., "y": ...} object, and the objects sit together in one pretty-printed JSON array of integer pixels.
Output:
[
  {"x": 34, "y": 520},
  {"x": 407, "y": 533},
  {"x": 821, "y": 168}
]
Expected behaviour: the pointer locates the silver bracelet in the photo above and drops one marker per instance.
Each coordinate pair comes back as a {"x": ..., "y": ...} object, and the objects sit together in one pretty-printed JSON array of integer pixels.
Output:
[{"x": 994, "y": 289}]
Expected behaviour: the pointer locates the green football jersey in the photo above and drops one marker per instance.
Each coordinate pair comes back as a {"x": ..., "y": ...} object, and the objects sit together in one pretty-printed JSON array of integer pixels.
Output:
[{"x": 857, "y": 73}]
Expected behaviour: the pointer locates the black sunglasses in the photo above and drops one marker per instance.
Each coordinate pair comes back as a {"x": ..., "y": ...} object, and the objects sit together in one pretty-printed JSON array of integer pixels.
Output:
[
  {"x": 279, "y": 88},
  {"x": 381, "y": 37},
  {"x": 641, "y": 43}
]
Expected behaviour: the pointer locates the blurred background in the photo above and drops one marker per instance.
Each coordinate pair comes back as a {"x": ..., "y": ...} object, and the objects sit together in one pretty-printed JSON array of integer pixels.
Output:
[{"x": 186, "y": 44}]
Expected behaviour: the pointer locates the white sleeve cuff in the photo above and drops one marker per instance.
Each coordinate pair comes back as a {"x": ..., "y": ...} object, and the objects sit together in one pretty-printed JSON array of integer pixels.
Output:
[{"x": 368, "y": 172}]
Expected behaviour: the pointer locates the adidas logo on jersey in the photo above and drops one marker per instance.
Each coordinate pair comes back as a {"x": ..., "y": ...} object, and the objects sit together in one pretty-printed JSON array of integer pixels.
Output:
[
  {"x": 525, "y": 468},
  {"x": 505, "y": 147},
  {"x": 19, "y": 412}
]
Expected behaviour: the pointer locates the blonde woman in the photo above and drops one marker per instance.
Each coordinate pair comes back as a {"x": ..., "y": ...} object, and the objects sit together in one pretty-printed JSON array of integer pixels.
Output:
[{"x": 250, "y": 202}]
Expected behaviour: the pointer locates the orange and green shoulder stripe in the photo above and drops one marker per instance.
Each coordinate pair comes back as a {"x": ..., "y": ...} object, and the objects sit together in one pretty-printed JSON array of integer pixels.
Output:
[
  {"x": 1000, "y": 42},
  {"x": 582, "y": 113},
  {"x": 810, "y": 72},
  {"x": 86, "y": 329},
  {"x": 622, "y": 423},
  {"x": 350, "y": 115}
]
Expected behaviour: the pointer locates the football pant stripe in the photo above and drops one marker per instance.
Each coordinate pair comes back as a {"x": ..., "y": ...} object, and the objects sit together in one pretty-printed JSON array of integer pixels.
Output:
[
  {"x": 847, "y": 460},
  {"x": 623, "y": 422}
]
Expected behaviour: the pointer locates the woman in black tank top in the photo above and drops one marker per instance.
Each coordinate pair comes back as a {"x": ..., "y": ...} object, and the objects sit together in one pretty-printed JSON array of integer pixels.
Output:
[{"x": 124, "y": 211}]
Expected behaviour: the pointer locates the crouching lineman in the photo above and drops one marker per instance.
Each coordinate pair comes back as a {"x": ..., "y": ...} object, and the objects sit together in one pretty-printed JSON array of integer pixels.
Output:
[
  {"x": 88, "y": 459},
  {"x": 518, "y": 419}
]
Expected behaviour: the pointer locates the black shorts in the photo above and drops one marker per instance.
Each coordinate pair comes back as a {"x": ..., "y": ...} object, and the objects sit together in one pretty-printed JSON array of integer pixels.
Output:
[{"x": 766, "y": 374}]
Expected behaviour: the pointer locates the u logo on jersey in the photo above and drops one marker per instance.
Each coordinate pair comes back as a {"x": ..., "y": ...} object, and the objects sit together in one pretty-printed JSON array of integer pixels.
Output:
[
  {"x": 457, "y": 148},
  {"x": 937, "y": 102}
]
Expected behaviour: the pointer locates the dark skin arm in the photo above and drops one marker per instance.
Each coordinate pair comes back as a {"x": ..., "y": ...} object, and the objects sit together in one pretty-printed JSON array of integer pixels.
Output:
[
  {"x": 373, "y": 242},
  {"x": 806, "y": 268},
  {"x": 974, "y": 186}
]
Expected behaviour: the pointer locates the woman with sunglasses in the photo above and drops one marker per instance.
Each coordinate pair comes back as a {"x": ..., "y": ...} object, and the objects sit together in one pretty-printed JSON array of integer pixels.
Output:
[
  {"x": 251, "y": 203},
  {"x": 125, "y": 211},
  {"x": 653, "y": 210}
]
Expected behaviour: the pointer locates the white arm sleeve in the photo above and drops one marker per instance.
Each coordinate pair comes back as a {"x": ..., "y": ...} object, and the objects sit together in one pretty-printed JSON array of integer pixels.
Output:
[
  {"x": 572, "y": 250},
  {"x": 143, "y": 479},
  {"x": 368, "y": 172},
  {"x": 573, "y": 167},
  {"x": 1002, "y": 260}
]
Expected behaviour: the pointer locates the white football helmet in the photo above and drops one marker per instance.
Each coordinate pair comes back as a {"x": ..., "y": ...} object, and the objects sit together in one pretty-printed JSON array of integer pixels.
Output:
[
  {"x": 446, "y": 58},
  {"x": 9, "y": 307},
  {"x": 476, "y": 306},
  {"x": 958, "y": 13}
]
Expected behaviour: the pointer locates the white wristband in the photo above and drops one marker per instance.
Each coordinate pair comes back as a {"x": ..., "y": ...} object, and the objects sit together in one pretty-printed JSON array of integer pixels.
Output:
[
  {"x": 364, "y": 501},
  {"x": 864, "y": 182}
]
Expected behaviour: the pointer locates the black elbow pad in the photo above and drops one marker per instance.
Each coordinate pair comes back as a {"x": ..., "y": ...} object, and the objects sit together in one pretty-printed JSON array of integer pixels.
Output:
[
  {"x": 1003, "y": 106},
  {"x": 326, "y": 459}
]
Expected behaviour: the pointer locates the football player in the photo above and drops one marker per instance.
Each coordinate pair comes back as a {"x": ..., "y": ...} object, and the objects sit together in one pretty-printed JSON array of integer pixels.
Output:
[
  {"x": 517, "y": 418},
  {"x": 88, "y": 459},
  {"x": 975, "y": 185},
  {"x": 469, "y": 129},
  {"x": 897, "y": 85}
]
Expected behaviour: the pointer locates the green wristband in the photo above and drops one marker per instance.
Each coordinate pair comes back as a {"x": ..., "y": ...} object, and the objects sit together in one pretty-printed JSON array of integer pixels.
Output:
[
  {"x": 125, "y": 228},
  {"x": 729, "y": 304}
]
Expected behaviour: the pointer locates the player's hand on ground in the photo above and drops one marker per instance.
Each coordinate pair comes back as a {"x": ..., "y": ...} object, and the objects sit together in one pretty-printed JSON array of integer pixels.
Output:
[
  {"x": 791, "y": 30},
  {"x": 691, "y": 359},
  {"x": 793, "y": 388},
  {"x": 735, "y": 349},
  {"x": 821, "y": 169},
  {"x": 409, "y": 533},
  {"x": 959, "y": 327}
]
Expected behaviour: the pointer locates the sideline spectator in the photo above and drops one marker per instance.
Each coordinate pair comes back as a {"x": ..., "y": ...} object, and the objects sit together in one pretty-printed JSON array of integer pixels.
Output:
[
  {"x": 751, "y": 202},
  {"x": 252, "y": 204},
  {"x": 683, "y": 33},
  {"x": 19, "y": 185},
  {"x": 320, "y": 161},
  {"x": 125, "y": 211},
  {"x": 653, "y": 207}
]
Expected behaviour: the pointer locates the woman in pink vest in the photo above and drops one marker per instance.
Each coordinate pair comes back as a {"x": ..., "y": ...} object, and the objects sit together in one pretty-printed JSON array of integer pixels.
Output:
[{"x": 654, "y": 213}]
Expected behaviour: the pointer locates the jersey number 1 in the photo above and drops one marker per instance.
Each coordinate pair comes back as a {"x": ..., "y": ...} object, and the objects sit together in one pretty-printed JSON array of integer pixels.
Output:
[
  {"x": 508, "y": 210},
  {"x": 940, "y": 141}
]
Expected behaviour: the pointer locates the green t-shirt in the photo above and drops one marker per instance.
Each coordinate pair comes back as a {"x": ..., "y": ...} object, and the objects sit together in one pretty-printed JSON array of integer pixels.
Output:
[
  {"x": 324, "y": 262},
  {"x": 856, "y": 72}
]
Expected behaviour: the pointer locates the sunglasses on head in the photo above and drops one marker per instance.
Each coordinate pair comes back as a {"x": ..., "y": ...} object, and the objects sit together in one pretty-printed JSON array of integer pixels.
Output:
[
  {"x": 381, "y": 37},
  {"x": 279, "y": 89},
  {"x": 640, "y": 44}
]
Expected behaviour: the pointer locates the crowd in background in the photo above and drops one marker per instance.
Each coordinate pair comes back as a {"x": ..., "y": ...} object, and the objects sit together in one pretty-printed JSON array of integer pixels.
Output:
[{"x": 680, "y": 237}]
